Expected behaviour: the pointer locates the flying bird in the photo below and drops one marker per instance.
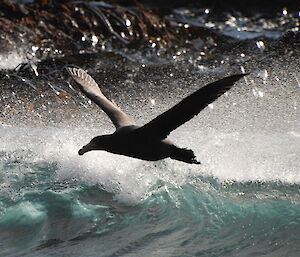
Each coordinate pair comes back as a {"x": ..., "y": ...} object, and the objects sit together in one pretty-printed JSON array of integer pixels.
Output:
[{"x": 148, "y": 142}]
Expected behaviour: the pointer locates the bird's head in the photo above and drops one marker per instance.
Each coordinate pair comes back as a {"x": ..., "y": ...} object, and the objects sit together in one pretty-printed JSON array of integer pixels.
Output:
[{"x": 97, "y": 143}]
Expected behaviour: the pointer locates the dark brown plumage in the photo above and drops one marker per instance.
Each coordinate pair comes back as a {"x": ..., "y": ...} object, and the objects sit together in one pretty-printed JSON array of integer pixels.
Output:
[{"x": 149, "y": 141}]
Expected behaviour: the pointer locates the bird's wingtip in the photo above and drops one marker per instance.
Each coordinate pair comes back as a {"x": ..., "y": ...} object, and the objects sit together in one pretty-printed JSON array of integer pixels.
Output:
[
  {"x": 235, "y": 77},
  {"x": 69, "y": 69},
  {"x": 74, "y": 71},
  {"x": 240, "y": 75}
]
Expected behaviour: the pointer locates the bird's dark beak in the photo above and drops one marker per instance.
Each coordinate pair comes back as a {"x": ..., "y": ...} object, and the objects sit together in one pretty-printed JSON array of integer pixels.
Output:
[
  {"x": 81, "y": 151},
  {"x": 85, "y": 149}
]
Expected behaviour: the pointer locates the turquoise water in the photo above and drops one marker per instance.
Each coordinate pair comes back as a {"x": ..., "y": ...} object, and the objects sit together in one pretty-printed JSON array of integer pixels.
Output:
[{"x": 53, "y": 203}]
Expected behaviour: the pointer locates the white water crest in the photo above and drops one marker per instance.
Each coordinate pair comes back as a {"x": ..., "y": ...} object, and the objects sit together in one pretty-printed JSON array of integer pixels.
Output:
[
  {"x": 11, "y": 60},
  {"x": 240, "y": 157}
]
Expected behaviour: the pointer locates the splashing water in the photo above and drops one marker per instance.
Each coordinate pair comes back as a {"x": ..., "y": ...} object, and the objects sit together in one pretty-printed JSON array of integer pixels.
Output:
[
  {"x": 249, "y": 179},
  {"x": 242, "y": 201},
  {"x": 11, "y": 60}
]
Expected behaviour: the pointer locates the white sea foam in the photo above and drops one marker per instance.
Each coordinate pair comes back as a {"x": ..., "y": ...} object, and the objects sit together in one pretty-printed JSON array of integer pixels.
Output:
[
  {"x": 11, "y": 60},
  {"x": 237, "y": 156}
]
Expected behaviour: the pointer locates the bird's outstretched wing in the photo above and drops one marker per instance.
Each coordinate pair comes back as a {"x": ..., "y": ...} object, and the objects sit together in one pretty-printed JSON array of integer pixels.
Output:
[
  {"x": 91, "y": 89},
  {"x": 161, "y": 126}
]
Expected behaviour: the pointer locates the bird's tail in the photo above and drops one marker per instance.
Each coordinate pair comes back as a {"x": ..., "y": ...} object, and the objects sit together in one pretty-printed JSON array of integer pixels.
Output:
[{"x": 184, "y": 155}]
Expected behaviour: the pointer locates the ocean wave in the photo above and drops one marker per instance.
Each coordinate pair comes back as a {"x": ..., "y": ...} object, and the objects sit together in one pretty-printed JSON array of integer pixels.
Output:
[{"x": 51, "y": 197}]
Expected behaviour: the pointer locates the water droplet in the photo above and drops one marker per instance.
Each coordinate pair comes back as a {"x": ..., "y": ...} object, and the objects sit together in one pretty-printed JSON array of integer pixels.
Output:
[
  {"x": 264, "y": 75},
  {"x": 94, "y": 40},
  {"x": 260, "y": 94},
  {"x": 257, "y": 93},
  {"x": 34, "y": 48},
  {"x": 210, "y": 24},
  {"x": 260, "y": 45},
  {"x": 284, "y": 11},
  {"x": 128, "y": 22},
  {"x": 34, "y": 67}
]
